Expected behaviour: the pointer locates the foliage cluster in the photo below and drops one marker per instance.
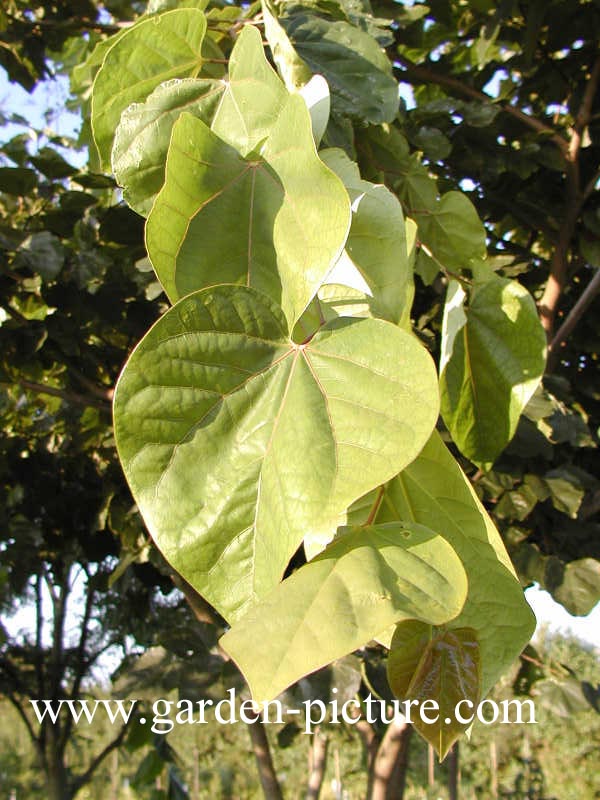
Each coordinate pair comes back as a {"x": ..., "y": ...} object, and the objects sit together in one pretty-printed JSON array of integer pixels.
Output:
[{"x": 319, "y": 258}]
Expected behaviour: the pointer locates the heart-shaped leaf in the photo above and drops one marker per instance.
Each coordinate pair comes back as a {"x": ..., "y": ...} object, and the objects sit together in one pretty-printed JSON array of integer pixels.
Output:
[
  {"x": 155, "y": 50},
  {"x": 366, "y": 579},
  {"x": 236, "y": 441},
  {"x": 451, "y": 230},
  {"x": 254, "y": 96},
  {"x": 357, "y": 70},
  {"x": 294, "y": 71},
  {"x": 377, "y": 243},
  {"x": 447, "y": 669},
  {"x": 409, "y": 642},
  {"x": 276, "y": 221},
  {"x": 494, "y": 359},
  {"x": 241, "y": 109},
  {"x": 144, "y": 132},
  {"x": 433, "y": 491}
]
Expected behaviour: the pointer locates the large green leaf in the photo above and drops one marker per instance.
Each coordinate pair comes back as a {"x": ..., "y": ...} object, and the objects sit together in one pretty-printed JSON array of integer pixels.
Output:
[
  {"x": 579, "y": 589},
  {"x": 294, "y": 71},
  {"x": 236, "y": 442},
  {"x": 433, "y": 491},
  {"x": 496, "y": 361},
  {"x": 357, "y": 70},
  {"x": 254, "y": 96},
  {"x": 377, "y": 243},
  {"x": 277, "y": 221},
  {"x": 451, "y": 231},
  {"x": 154, "y": 50},
  {"x": 242, "y": 110},
  {"x": 389, "y": 158},
  {"x": 447, "y": 669},
  {"x": 143, "y": 134},
  {"x": 364, "y": 581}
]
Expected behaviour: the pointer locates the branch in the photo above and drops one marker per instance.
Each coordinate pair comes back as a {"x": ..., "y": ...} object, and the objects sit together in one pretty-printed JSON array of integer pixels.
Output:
[
  {"x": 573, "y": 317},
  {"x": 428, "y": 75},
  {"x": 59, "y": 613},
  {"x": 16, "y": 315},
  {"x": 264, "y": 762},
  {"x": 103, "y": 393},
  {"x": 72, "y": 25},
  {"x": 69, "y": 397},
  {"x": 591, "y": 184},
  {"x": 584, "y": 114},
  {"x": 575, "y": 200},
  {"x": 39, "y": 624},
  {"x": 85, "y": 777},
  {"x": 21, "y": 712},
  {"x": 82, "y": 663}
]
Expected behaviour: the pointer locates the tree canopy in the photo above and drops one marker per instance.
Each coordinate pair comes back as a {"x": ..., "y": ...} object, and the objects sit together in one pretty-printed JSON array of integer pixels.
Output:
[{"x": 349, "y": 256}]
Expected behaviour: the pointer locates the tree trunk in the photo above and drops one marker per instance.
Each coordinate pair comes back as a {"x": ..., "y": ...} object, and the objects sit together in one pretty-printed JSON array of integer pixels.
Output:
[
  {"x": 493, "y": 768},
  {"x": 388, "y": 775},
  {"x": 453, "y": 773},
  {"x": 398, "y": 780},
  {"x": 317, "y": 764},
  {"x": 430, "y": 766},
  {"x": 57, "y": 777},
  {"x": 57, "y": 786},
  {"x": 264, "y": 762},
  {"x": 114, "y": 776},
  {"x": 370, "y": 742}
]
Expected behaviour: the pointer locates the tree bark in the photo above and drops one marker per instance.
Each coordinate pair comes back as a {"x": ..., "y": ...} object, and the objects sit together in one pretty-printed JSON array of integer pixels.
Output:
[
  {"x": 388, "y": 781},
  {"x": 430, "y": 766},
  {"x": 397, "y": 783},
  {"x": 453, "y": 773},
  {"x": 57, "y": 786},
  {"x": 317, "y": 764},
  {"x": 576, "y": 197},
  {"x": 370, "y": 742},
  {"x": 264, "y": 762}
]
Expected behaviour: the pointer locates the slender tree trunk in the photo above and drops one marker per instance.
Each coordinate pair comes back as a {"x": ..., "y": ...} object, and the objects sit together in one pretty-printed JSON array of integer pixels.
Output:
[
  {"x": 430, "y": 766},
  {"x": 453, "y": 773},
  {"x": 57, "y": 786},
  {"x": 114, "y": 776},
  {"x": 493, "y": 768},
  {"x": 264, "y": 762},
  {"x": 398, "y": 781},
  {"x": 317, "y": 764},
  {"x": 57, "y": 778},
  {"x": 388, "y": 781},
  {"x": 370, "y": 742}
]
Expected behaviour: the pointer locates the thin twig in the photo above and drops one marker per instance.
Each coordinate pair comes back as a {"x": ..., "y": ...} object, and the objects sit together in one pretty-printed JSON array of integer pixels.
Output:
[
  {"x": 375, "y": 506},
  {"x": 573, "y": 317},
  {"x": 69, "y": 397},
  {"x": 81, "y": 780},
  {"x": 429, "y": 75}
]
